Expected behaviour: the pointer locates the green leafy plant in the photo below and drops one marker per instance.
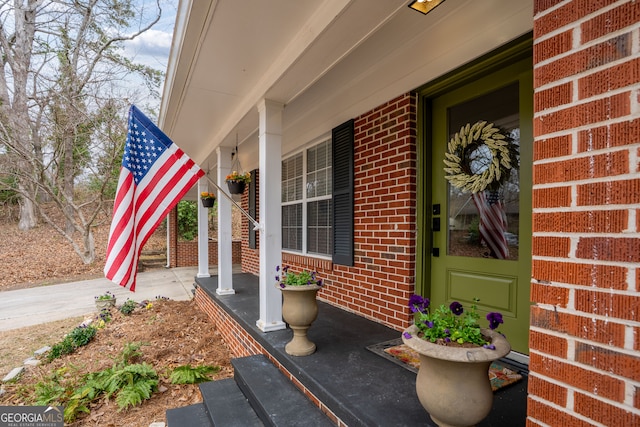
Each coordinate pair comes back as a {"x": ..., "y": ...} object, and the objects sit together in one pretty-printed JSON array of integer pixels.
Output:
[
  {"x": 56, "y": 389},
  {"x": 78, "y": 337},
  {"x": 286, "y": 278},
  {"x": 187, "y": 220},
  {"x": 130, "y": 383},
  {"x": 128, "y": 307},
  {"x": 451, "y": 324},
  {"x": 106, "y": 296},
  {"x": 188, "y": 374},
  {"x": 130, "y": 353},
  {"x": 238, "y": 177},
  {"x": 52, "y": 389}
]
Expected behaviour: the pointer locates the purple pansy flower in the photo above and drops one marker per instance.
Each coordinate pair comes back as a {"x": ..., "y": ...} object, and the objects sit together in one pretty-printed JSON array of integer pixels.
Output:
[
  {"x": 407, "y": 335},
  {"x": 495, "y": 319},
  {"x": 418, "y": 304},
  {"x": 456, "y": 308}
]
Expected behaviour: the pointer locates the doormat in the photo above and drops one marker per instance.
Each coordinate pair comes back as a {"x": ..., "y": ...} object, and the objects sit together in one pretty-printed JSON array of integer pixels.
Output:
[{"x": 398, "y": 353}]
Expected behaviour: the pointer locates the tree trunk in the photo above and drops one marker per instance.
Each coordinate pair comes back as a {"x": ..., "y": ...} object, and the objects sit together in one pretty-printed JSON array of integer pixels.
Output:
[
  {"x": 89, "y": 254},
  {"x": 67, "y": 186},
  {"x": 27, "y": 215}
]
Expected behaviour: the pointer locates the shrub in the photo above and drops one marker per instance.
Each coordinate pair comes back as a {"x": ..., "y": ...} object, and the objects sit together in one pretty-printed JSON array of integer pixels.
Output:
[
  {"x": 78, "y": 337},
  {"x": 187, "y": 220},
  {"x": 128, "y": 307}
]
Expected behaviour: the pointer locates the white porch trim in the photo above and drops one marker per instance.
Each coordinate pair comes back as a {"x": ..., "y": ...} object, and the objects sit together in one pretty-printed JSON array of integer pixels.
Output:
[
  {"x": 225, "y": 250},
  {"x": 203, "y": 231},
  {"x": 270, "y": 142}
]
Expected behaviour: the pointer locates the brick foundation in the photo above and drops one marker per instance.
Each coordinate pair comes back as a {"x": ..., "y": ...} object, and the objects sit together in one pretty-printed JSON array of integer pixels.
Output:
[{"x": 242, "y": 344}]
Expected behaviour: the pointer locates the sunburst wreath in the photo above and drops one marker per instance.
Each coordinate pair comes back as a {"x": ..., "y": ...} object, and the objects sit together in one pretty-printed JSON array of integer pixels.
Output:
[{"x": 481, "y": 143}]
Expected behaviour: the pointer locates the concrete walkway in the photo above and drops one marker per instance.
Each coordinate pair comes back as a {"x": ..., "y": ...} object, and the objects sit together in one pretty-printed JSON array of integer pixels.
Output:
[{"x": 33, "y": 306}]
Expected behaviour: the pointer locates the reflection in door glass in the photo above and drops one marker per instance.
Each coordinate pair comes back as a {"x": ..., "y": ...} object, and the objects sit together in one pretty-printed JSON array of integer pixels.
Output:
[{"x": 485, "y": 223}]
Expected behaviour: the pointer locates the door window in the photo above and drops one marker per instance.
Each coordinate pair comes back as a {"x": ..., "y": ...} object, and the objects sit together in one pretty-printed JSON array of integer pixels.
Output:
[{"x": 485, "y": 223}]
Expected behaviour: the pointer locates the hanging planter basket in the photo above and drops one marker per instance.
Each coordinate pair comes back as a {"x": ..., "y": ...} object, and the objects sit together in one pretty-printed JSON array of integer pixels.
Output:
[
  {"x": 237, "y": 181},
  {"x": 236, "y": 187},
  {"x": 208, "y": 199},
  {"x": 208, "y": 203}
]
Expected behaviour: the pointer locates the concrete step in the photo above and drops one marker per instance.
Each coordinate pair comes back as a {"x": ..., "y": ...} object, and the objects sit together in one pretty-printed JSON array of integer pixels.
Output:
[
  {"x": 152, "y": 259},
  {"x": 259, "y": 395},
  {"x": 227, "y": 406},
  {"x": 273, "y": 396},
  {"x": 189, "y": 416}
]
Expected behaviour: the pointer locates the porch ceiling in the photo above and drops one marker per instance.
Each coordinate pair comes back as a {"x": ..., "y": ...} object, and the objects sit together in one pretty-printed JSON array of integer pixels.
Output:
[{"x": 327, "y": 61}]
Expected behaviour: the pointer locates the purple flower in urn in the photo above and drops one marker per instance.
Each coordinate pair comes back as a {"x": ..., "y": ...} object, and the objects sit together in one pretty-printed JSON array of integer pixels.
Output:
[{"x": 495, "y": 319}]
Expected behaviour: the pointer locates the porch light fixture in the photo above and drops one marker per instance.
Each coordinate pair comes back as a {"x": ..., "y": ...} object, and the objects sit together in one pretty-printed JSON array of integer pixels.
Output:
[{"x": 424, "y": 6}]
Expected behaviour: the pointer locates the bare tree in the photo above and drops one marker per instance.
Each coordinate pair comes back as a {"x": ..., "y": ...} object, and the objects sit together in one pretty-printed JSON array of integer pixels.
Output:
[{"x": 63, "y": 104}]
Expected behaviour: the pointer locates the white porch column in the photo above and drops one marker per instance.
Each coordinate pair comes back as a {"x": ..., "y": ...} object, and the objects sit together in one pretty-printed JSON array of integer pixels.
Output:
[
  {"x": 270, "y": 140},
  {"x": 225, "y": 251},
  {"x": 203, "y": 231}
]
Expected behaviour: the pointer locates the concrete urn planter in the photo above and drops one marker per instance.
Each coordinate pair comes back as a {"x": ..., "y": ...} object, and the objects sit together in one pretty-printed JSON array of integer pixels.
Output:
[
  {"x": 299, "y": 310},
  {"x": 105, "y": 303},
  {"x": 453, "y": 382}
]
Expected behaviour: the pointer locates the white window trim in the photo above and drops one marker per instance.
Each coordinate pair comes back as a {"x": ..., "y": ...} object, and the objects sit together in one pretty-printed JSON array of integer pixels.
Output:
[{"x": 305, "y": 200}]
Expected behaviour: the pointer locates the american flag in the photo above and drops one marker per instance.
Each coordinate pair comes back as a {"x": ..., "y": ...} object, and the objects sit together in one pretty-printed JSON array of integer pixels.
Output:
[
  {"x": 155, "y": 174},
  {"x": 493, "y": 222}
]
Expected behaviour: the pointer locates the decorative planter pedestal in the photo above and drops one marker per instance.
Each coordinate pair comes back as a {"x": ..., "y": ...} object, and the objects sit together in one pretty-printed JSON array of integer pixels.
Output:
[
  {"x": 236, "y": 187},
  {"x": 105, "y": 303},
  {"x": 299, "y": 310},
  {"x": 453, "y": 382}
]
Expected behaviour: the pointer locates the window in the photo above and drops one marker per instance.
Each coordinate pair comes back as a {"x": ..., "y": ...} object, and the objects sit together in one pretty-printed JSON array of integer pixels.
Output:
[{"x": 306, "y": 215}]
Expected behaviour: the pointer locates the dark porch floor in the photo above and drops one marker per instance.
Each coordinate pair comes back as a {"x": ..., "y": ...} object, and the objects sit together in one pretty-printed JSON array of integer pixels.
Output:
[{"x": 360, "y": 387}]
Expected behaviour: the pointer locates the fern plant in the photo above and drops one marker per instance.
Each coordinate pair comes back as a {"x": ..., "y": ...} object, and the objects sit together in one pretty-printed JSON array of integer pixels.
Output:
[
  {"x": 51, "y": 390},
  {"x": 188, "y": 374}
]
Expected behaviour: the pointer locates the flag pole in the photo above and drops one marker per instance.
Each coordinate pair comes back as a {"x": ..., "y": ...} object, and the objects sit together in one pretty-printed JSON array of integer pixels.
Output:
[{"x": 256, "y": 225}]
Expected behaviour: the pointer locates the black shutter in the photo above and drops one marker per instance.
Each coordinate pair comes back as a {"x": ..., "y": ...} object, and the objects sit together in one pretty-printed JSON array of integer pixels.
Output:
[
  {"x": 342, "y": 138},
  {"x": 253, "y": 187}
]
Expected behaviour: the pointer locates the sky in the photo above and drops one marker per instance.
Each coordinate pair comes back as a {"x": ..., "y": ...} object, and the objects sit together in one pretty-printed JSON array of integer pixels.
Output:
[{"x": 152, "y": 47}]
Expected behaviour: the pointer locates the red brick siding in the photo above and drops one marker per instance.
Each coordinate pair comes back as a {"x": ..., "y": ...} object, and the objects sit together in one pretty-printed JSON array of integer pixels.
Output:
[
  {"x": 243, "y": 344},
  {"x": 185, "y": 254},
  {"x": 378, "y": 286},
  {"x": 380, "y": 283},
  {"x": 250, "y": 257},
  {"x": 584, "y": 356}
]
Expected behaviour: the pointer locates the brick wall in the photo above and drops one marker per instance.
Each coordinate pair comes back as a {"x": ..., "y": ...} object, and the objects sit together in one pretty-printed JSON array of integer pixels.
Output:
[
  {"x": 185, "y": 254},
  {"x": 380, "y": 283},
  {"x": 250, "y": 257},
  {"x": 585, "y": 324}
]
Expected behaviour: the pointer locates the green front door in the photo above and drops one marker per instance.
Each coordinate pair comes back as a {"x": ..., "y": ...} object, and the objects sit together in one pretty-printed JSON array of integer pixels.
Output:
[{"x": 480, "y": 240}]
